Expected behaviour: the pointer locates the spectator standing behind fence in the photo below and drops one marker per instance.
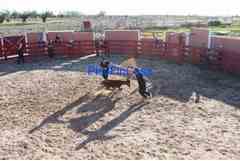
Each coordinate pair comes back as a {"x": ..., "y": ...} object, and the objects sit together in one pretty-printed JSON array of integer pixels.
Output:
[
  {"x": 157, "y": 40},
  {"x": 20, "y": 53},
  {"x": 102, "y": 48},
  {"x": 97, "y": 46},
  {"x": 57, "y": 39},
  {"x": 106, "y": 49},
  {"x": 50, "y": 49}
]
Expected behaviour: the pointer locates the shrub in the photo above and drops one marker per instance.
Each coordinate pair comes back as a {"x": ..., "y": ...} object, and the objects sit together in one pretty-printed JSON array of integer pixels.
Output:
[
  {"x": 2, "y": 18},
  {"x": 214, "y": 23}
]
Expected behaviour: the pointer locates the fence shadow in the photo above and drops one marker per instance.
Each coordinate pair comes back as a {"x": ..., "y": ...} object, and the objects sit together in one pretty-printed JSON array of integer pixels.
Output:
[
  {"x": 97, "y": 106},
  {"x": 104, "y": 105},
  {"x": 58, "y": 63},
  {"x": 100, "y": 134},
  {"x": 55, "y": 117}
]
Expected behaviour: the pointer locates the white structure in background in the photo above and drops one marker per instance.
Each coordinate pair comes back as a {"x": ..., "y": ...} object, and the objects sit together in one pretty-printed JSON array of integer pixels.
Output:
[
  {"x": 210, "y": 40},
  {"x": 212, "y": 19},
  {"x": 187, "y": 42}
]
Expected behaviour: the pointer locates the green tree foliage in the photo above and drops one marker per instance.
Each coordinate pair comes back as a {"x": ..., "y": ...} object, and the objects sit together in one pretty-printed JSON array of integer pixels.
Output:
[
  {"x": 2, "y": 18},
  {"x": 33, "y": 14},
  {"x": 4, "y": 15},
  {"x": 15, "y": 15},
  {"x": 24, "y": 16},
  {"x": 45, "y": 15},
  {"x": 214, "y": 23}
]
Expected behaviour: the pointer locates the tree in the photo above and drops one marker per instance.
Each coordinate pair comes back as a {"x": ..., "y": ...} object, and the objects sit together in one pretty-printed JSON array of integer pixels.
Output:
[
  {"x": 101, "y": 14},
  {"x": 214, "y": 23},
  {"x": 7, "y": 15},
  {"x": 33, "y": 14},
  {"x": 15, "y": 15},
  {"x": 4, "y": 15},
  {"x": 72, "y": 14},
  {"x": 45, "y": 15},
  {"x": 24, "y": 16},
  {"x": 61, "y": 15}
]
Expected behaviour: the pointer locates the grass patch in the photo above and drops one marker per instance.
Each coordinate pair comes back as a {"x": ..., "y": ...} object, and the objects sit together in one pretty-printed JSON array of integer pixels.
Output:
[
  {"x": 221, "y": 30},
  {"x": 161, "y": 32}
]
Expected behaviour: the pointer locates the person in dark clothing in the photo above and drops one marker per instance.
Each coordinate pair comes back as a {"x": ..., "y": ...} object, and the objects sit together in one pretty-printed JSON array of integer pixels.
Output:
[
  {"x": 141, "y": 83},
  {"x": 97, "y": 46},
  {"x": 157, "y": 40},
  {"x": 57, "y": 39},
  {"x": 106, "y": 49},
  {"x": 105, "y": 69},
  {"x": 50, "y": 49},
  {"x": 20, "y": 53}
]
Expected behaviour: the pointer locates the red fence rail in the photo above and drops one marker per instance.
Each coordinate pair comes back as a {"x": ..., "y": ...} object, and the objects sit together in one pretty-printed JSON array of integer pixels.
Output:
[
  {"x": 227, "y": 60},
  {"x": 39, "y": 48},
  {"x": 230, "y": 61},
  {"x": 10, "y": 45},
  {"x": 1, "y": 48}
]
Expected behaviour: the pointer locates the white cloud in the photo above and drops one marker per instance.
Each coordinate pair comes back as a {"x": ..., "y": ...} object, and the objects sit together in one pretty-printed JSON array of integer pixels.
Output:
[{"x": 202, "y": 7}]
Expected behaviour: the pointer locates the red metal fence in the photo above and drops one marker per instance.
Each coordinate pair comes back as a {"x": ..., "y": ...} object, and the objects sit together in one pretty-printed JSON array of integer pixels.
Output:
[
  {"x": 79, "y": 44},
  {"x": 36, "y": 44},
  {"x": 1, "y": 48},
  {"x": 230, "y": 61},
  {"x": 10, "y": 45}
]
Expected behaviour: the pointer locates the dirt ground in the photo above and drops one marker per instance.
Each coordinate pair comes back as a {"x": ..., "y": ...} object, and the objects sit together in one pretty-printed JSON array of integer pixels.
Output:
[{"x": 51, "y": 109}]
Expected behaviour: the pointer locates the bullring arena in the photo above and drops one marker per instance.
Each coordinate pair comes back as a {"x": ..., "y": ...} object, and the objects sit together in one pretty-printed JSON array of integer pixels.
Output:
[{"x": 52, "y": 109}]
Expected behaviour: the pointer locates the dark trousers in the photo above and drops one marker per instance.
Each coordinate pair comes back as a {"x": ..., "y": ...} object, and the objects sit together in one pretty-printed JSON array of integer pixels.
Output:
[
  {"x": 20, "y": 59},
  {"x": 143, "y": 92},
  {"x": 105, "y": 73},
  {"x": 142, "y": 87},
  {"x": 50, "y": 52},
  {"x": 97, "y": 52}
]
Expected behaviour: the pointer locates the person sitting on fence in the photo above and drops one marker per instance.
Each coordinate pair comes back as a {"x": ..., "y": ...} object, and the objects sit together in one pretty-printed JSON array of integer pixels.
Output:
[
  {"x": 20, "y": 53},
  {"x": 141, "y": 83},
  {"x": 50, "y": 49},
  {"x": 105, "y": 68}
]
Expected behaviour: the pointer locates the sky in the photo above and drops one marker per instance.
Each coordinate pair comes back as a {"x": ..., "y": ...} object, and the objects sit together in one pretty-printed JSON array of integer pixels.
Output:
[{"x": 130, "y": 7}]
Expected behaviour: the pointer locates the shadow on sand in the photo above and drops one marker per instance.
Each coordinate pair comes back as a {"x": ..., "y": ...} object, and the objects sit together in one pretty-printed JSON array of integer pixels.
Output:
[
  {"x": 55, "y": 118},
  {"x": 97, "y": 106},
  {"x": 100, "y": 134}
]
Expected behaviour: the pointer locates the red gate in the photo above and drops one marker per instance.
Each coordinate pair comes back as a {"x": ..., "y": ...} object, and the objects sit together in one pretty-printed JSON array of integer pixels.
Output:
[
  {"x": 36, "y": 44},
  {"x": 60, "y": 41},
  {"x": 174, "y": 52},
  {"x": 11, "y": 44},
  {"x": 122, "y": 46},
  {"x": 153, "y": 47}
]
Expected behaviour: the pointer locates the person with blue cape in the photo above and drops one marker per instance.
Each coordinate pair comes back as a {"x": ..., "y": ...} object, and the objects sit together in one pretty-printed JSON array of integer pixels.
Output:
[
  {"x": 141, "y": 83},
  {"x": 105, "y": 68}
]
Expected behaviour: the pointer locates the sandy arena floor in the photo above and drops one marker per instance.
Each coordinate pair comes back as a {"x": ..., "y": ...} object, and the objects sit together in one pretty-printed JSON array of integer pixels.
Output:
[{"x": 54, "y": 110}]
